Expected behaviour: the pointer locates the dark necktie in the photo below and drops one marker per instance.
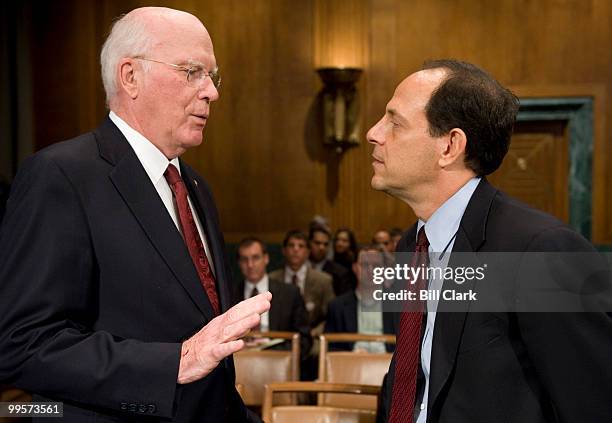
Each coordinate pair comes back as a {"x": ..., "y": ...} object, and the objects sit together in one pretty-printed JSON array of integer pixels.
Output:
[
  {"x": 191, "y": 235},
  {"x": 254, "y": 292},
  {"x": 408, "y": 343},
  {"x": 294, "y": 279}
]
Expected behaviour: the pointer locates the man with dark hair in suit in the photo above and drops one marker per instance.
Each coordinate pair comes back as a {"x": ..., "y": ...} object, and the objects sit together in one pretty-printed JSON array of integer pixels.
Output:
[
  {"x": 113, "y": 277},
  {"x": 319, "y": 239},
  {"x": 287, "y": 312},
  {"x": 315, "y": 286},
  {"x": 357, "y": 311},
  {"x": 446, "y": 128}
]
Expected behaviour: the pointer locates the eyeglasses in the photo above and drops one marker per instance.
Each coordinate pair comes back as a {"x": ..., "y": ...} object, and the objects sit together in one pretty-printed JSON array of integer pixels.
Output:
[{"x": 195, "y": 73}]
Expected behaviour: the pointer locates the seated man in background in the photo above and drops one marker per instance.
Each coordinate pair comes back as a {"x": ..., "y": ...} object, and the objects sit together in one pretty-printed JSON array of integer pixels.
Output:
[
  {"x": 319, "y": 239},
  {"x": 357, "y": 311},
  {"x": 287, "y": 312},
  {"x": 315, "y": 286}
]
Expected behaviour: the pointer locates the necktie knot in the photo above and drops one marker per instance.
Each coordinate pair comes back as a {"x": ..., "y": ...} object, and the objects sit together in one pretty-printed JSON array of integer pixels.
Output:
[
  {"x": 172, "y": 175},
  {"x": 422, "y": 241}
]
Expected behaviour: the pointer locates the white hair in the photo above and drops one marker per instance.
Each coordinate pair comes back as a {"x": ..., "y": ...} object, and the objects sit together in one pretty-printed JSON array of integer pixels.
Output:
[{"x": 129, "y": 37}]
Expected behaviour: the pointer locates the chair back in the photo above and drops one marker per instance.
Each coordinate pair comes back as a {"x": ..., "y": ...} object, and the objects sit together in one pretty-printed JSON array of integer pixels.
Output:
[
  {"x": 273, "y": 413},
  {"x": 255, "y": 367},
  {"x": 352, "y": 367}
]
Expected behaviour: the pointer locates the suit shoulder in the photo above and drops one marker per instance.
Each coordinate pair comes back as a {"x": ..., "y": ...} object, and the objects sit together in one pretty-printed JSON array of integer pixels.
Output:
[
  {"x": 344, "y": 299},
  {"x": 517, "y": 226},
  {"x": 333, "y": 267},
  {"x": 74, "y": 150},
  {"x": 319, "y": 276},
  {"x": 283, "y": 288},
  {"x": 276, "y": 275}
]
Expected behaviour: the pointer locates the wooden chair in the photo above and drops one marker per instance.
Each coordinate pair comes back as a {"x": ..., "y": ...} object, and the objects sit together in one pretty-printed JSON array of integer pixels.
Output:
[
  {"x": 352, "y": 367},
  {"x": 317, "y": 413},
  {"x": 255, "y": 367}
]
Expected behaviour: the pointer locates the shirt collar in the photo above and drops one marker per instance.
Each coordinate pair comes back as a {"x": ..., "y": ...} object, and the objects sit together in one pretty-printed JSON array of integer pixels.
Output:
[
  {"x": 153, "y": 160},
  {"x": 444, "y": 222},
  {"x": 262, "y": 284},
  {"x": 301, "y": 272}
]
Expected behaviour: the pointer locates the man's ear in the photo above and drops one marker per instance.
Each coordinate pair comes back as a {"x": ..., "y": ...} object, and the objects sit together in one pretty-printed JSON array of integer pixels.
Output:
[
  {"x": 128, "y": 78},
  {"x": 452, "y": 148},
  {"x": 266, "y": 259}
]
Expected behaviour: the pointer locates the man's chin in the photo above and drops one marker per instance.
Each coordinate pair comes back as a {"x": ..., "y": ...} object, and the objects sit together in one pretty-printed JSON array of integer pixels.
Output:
[{"x": 377, "y": 183}]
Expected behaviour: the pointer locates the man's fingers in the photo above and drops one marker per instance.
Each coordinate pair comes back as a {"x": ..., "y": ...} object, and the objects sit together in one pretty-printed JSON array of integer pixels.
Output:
[
  {"x": 219, "y": 352},
  {"x": 240, "y": 328},
  {"x": 258, "y": 304}
]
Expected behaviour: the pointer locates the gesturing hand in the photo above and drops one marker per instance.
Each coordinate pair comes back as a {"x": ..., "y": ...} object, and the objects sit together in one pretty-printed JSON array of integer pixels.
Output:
[{"x": 201, "y": 353}]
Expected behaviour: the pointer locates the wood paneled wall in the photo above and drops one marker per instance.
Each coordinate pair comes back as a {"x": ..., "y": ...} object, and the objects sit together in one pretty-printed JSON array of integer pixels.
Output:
[{"x": 262, "y": 152}]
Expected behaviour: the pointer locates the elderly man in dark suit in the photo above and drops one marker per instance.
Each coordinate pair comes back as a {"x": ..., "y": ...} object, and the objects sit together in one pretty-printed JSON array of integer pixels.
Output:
[
  {"x": 287, "y": 311},
  {"x": 446, "y": 127},
  {"x": 113, "y": 279}
]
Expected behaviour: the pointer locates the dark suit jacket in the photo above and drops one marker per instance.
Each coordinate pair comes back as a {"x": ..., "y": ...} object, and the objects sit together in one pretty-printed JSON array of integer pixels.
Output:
[
  {"x": 318, "y": 292},
  {"x": 342, "y": 317},
  {"x": 341, "y": 277},
  {"x": 98, "y": 289},
  {"x": 287, "y": 311},
  {"x": 514, "y": 367}
]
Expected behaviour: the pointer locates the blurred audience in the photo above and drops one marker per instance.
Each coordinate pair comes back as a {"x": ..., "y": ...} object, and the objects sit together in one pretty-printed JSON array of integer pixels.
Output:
[
  {"x": 345, "y": 248},
  {"x": 396, "y": 235},
  {"x": 382, "y": 237},
  {"x": 316, "y": 287},
  {"x": 319, "y": 239},
  {"x": 357, "y": 311},
  {"x": 287, "y": 311}
]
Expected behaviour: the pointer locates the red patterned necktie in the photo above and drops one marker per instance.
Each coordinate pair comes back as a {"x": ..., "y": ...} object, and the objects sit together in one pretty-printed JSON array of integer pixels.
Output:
[
  {"x": 191, "y": 235},
  {"x": 408, "y": 343}
]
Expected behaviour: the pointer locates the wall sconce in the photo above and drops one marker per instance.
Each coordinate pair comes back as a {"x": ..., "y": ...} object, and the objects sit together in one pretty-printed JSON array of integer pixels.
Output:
[{"x": 340, "y": 107}]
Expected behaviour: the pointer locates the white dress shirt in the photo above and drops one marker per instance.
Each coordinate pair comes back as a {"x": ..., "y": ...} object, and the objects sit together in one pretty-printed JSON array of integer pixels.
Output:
[
  {"x": 262, "y": 285},
  {"x": 155, "y": 164},
  {"x": 441, "y": 229},
  {"x": 301, "y": 276}
]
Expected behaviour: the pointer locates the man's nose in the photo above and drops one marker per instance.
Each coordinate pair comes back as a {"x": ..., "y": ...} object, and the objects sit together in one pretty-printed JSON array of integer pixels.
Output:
[
  {"x": 373, "y": 136},
  {"x": 208, "y": 91}
]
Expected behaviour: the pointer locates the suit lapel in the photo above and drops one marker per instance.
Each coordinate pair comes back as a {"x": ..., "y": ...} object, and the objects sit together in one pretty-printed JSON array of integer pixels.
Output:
[
  {"x": 134, "y": 186},
  {"x": 451, "y": 316},
  {"x": 273, "y": 314},
  {"x": 350, "y": 314}
]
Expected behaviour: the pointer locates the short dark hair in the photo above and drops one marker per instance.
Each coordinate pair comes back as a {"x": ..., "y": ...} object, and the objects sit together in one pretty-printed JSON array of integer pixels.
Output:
[
  {"x": 294, "y": 233},
  {"x": 395, "y": 232},
  {"x": 247, "y": 242},
  {"x": 469, "y": 98},
  {"x": 314, "y": 229}
]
